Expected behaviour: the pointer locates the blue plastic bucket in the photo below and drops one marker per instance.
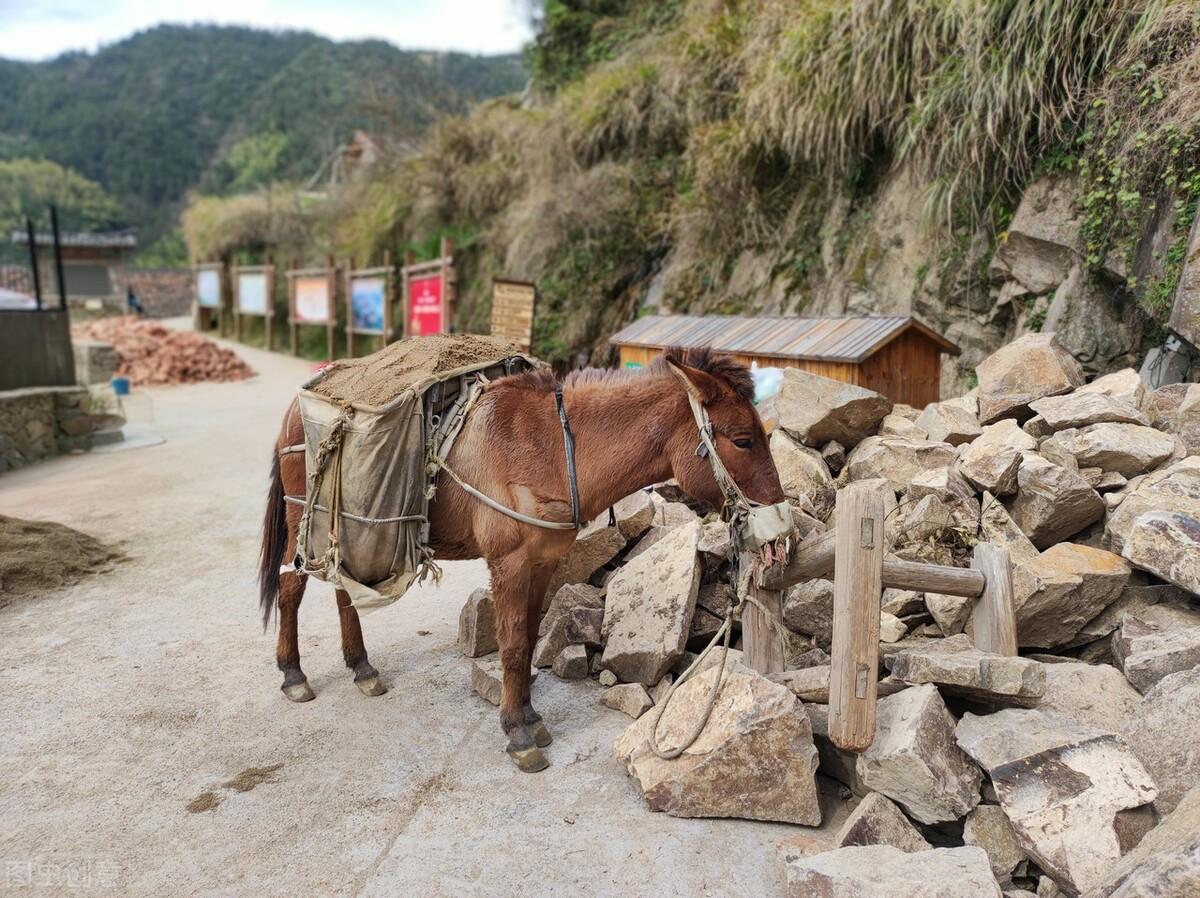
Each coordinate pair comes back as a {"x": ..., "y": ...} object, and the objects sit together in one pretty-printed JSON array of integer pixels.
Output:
[{"x": 120, "y": 386}]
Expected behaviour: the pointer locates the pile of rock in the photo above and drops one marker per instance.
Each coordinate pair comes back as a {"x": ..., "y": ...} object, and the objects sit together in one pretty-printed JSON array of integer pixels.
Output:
[
  {"x": 1064, "y": 771},
  {"x": 151, "y": 353}
]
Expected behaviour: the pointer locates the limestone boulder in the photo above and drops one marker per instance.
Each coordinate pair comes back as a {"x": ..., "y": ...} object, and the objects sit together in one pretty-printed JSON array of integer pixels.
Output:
[
  {"x": 996, "y": 526},
  {"x": 1175, "y": 488},
  {"x": 897, "y": 460},
  {"x": 914, "y": 759},
  {"x": 947, "y": 484},
  {"x": 956, "y": 667},
  {"x": 1060, "y": 591},
  {"x": 992, "y": 460},
  {"x": 1125, "y": 385},
  {"x": 881, "y": 871},
  {"x": 1128, "y": 449},
  {"x": 634, "y": 514},
  {"x": 1030, "y": 367},
  {"x": 808, "y": 609},
  {"x": 477, "y": 625},
  {"x": 572, "y": 663},
  {"x": 987, "y": 827},
  {"x": 487, "y": 677},
  {"x": 950, "y": 613},
  {"x": 1061, "y": 784},
  {"x": 834, "y": 454},
  {"x": 802, "y": 471},
  {"x": 1167, "y": 544},
  {"x": 1084, "y": 408},
  {"x": 1044, "y": 240},
  {"x": 755, "y": 758},
  {"x": 949, "y": 422},
  {"x": 1052, "y": 503},
  {"x": 1161, "y": 406},
  {"x": 585, "y": 626},
  {"x": 1187, "y": 420},
  {"x": 1164, "y": 732},
  {"x": 628, "y": 698},
  {"x": 877, "y": 821},
  {"x": 894, "y": 425},
  {"x": 815, "y": 409},
  {"x": 1095, "y": 695},
  {"x": 554, "y": 631},
  {"x": 1156, "y": 642},
  {"x": 648, "y": 612},
  {"x": 1136, "y": 875},
  {"x": 595, "y": 546}
]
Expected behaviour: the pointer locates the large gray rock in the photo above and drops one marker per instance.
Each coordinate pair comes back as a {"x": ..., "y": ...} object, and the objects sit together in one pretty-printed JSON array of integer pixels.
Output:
[
  {"x": 649, "y": 608},
  {"x": 996, "y": 526},
  {"x": 1044, "y": 239},
  {"x": 634, "y": 514},
  {"x": 1185, "y": 309},
  {"x": 808, "y": 609},
  {"x": 1124, "y": 385},
  {"x": 571, "y": 663},
  {"x": 1128, "y": 449},
  {"x": 958, "y": 668},
  {"x": 877, "y": 821},
  {"x": 595, "y": 546},
  {"x": 987, "y": 827},
  {"x": 1167, "y": 544},
  {"x": 1134, "y": 875},
  {"x": 894, "y": 425},
  {"x": 914, "y": 760},
  {"x": 1174, "y": 488},
  {"x": 1155, "y": 642},
  {"x": 1095, "y": 695},
  {"x": 802, "y": 471},
  {"x": 949, "y": 422},
  {"x": 1052, "y": 503},
  {"x": 1062, "y": 785},
  {"x": 1164, "y": 732},
  {"x": 1060, "y": 591},
  {"x": 754, "y": 759},
  {"x": 946, "y": 484},
  {"x": 1083, "y": 408},
  {"x": 1032, "y": 366},
  {"x": 1161, "y": 406},
  {"x": 477, "y": 625},
  {"x": 628, "y": 698},
  {"x": 881, "y": 871},
  {"x": 816, "y": 409},
  {"x": 555, "y": 630},
  {"x": 897, "y": 460},
  {"x": 992, "y": 460},
  {"x": 1187, "y": 420},
  {"x": 1174, "y": 874}
]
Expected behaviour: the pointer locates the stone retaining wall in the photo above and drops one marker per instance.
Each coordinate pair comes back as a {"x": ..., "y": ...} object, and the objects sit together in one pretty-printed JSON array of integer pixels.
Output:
[{"x": 41, "y": 422}]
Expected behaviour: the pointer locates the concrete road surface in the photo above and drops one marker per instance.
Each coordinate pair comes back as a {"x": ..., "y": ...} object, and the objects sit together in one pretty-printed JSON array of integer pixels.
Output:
[{"x": 145, "y": 748}]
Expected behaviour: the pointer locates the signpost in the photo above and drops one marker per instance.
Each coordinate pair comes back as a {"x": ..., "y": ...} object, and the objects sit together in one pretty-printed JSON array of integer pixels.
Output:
[
  {"x": 207, "y": 281},
  {"x": 512, "y": 311},
  {"x": 311, "y": 302},
  {"x": 429, "y": 294},
  {"x": 253, "y": 294},
  {"x": 369, "y": 304}
]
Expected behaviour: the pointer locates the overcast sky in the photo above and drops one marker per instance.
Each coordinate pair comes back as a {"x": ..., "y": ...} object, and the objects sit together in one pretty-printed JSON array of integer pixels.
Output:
[{"x": 39, "y": 29}]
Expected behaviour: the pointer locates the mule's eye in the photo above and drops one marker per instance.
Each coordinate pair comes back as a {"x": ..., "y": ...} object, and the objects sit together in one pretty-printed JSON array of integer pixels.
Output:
[{"x": 743, "y": 444}]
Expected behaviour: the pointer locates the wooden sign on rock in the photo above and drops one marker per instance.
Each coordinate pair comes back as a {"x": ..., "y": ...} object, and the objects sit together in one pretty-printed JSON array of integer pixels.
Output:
[{"x": 512, "y": 311}]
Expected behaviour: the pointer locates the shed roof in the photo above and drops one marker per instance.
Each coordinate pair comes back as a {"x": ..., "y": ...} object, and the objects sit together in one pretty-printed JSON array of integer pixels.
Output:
[
  {"x": 104, "y": 239},
  {"x": 825, "y": 339}
]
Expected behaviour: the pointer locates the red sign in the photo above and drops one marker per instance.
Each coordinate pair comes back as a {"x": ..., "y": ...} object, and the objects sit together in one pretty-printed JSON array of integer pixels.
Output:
[{"x": 425, "y": 312}]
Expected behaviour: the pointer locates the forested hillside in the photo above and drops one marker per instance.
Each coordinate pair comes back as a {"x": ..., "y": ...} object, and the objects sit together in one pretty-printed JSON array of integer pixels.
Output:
[{"x": 223, "y": 108}]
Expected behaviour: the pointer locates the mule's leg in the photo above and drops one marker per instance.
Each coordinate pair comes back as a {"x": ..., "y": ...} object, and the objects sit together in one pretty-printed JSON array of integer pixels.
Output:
[
  {"x": 287, "y": 649},
  {"x": 366, "y": 677},
  {"x": 510, "y": 591},
  {"x": 538, "y": 581}
]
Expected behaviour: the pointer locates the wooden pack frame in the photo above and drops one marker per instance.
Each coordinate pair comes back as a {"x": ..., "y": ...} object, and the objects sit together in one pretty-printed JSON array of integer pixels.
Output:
[
  {"x": 268, "y": 315},
  {"x": 329, "y": 273}
]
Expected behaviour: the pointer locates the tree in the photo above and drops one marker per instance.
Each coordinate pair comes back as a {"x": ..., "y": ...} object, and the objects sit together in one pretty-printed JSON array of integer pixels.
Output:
[{"x": 28, "y": 187}]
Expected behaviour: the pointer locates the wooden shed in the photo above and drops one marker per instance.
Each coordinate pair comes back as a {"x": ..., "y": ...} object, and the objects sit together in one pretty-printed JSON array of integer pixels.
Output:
[{"x": 896, "y": 356}]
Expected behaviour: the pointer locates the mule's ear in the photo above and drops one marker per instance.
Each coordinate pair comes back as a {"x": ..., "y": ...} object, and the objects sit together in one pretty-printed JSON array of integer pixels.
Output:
[{"x": 699, "y": 384}]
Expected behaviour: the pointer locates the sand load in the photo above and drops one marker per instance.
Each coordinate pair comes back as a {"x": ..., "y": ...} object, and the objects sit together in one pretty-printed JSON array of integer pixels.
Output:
[
  {"x": 371, "y": 426},
  {"x": 40, "y": 556}
]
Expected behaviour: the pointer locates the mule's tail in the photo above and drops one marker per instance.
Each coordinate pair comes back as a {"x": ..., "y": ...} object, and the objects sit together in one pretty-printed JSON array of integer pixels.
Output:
[{"x": 274, "y": 542}]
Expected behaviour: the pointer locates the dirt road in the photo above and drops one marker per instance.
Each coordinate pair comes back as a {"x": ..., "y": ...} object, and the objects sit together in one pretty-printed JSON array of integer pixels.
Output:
[{"x": 145, "y": 748}]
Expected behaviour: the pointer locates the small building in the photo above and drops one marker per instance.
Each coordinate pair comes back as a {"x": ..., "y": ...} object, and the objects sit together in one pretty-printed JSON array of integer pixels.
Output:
[
  {"x": 896, "y": 356},
  {"x": 94, "y": 266}
]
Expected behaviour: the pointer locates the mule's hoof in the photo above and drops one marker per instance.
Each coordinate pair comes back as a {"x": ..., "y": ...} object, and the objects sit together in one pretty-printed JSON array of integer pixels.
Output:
[
  {"x": 528, "y": 760},
  {"x": 371, "y": 686},
  {"x": 540, "y": 733},
  {"x": 299, "y": 692}
]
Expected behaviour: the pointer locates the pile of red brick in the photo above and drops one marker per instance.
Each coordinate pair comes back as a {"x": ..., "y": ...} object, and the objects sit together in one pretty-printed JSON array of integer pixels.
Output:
[{"x": 150, "y": 353}]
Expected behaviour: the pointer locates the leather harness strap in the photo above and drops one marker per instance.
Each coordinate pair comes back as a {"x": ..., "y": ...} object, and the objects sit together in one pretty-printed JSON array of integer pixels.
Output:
[{"x": 569, "y": 447}]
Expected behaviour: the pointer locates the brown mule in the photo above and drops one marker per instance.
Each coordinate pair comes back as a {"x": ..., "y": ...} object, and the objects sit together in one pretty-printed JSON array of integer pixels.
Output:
[{"x": 631, "y": 428}]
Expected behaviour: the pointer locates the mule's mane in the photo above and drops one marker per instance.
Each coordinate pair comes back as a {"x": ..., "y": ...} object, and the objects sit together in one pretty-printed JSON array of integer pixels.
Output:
[{"x": 734, "y": 374}]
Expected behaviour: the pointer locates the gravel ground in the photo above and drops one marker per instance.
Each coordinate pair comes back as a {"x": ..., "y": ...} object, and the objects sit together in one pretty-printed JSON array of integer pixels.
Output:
[{"x": 145, "y": 748}]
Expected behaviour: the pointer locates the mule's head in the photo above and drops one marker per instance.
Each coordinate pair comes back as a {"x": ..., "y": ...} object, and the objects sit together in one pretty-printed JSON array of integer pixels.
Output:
[{"x": 726, "y": 390}]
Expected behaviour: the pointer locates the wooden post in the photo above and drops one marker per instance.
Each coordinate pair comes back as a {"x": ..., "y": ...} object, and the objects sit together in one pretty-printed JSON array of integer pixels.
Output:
[
  {"x": 857, "y": 584},
  {"x": 349, "y": 309},
  {"x": 291, "y": 294},
  {"x": 448, "y": 283},
  {"x": 269, "y": 317},
  {"x": 389, "y": 297},
  {"x": 331, "y": 317},
  {"x": 993, "y": 621},
  {"x": 762, "y": 644},
  {"x": 237, "y": 305}
]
